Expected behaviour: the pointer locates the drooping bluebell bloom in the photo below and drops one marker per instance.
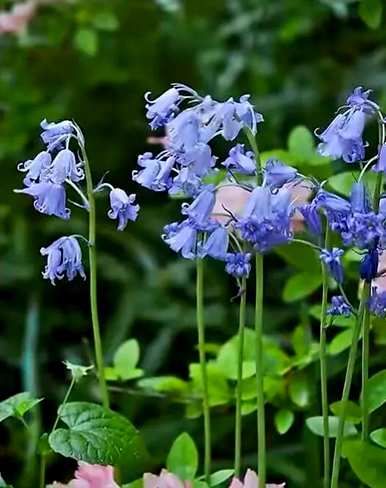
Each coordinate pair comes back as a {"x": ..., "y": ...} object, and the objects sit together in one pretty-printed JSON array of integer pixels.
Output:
[
  {"x": 184, "y": 132},
  {"x": 369, "y": 265},
  {"x": 377, "y": 303},
  {"x": 359, "y": 198},
  {"x": 147, "y": 175},
  {"x": 332, "y": 258},
  {"x": 241, "y": 161},
  {"x": 332, "y": 203},
  {"x": 64, "y": 258},
  {"x": 202, "y": 206},
  {"x": 312, "y": 218},
  {"x": 186, "y": 182},
  {"x": 277, "y": 174},
  {"x": 339, "y": 306},
  {"x": 380, "y": 165},
  {"x": 266, "y": 220},
  {"x": 65, "y": 166},
  {"x": 360, "y": 230},
  {"x": 122, "y": 207},
  {"x": 216, "y": 244},
  {"x": 343, "y": 137},
  {"x": 49, "y": 198},
  {"x": 37, "y": 169},
  {"x": 198, "y": 158},
  {"x": 238, "y": 264},
  {"x": 161, "y": 110},
  {"x": 182, "y": 237},
  {"x": 55, "y": 134}
]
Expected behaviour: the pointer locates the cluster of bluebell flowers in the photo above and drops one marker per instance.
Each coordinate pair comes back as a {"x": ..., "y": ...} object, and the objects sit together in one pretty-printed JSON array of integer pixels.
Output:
[
  {"x": 190, "y": 122},
  {"x": 46, "y": 179}
]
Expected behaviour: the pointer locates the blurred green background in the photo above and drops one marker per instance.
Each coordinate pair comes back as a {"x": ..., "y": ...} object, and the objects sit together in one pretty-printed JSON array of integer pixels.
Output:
[{"x": 92, "y": 61}]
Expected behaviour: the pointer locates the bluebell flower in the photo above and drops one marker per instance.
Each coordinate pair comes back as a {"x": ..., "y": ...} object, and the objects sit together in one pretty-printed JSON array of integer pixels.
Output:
[
  {"x": 151, "y": 168},
  {"x": 186, "y": 182},
  {"x": 55, "y": 134},
  {"x": 241, "y": 161},
  {"x": 201, "y": 208},
  {"x": 312, "y": 218},
  {"x": 380, "y": 165},
  {"x": 37, "y": 169},
  {"x": 50, "y": 199},
  {"x": 343, "y": 137},
  {"x": 64, "y": 258},
  {"x": 122, "y": 207},
  {"x": 199, "y": 159},
  {"x": 339, "y": 306},
  {"x": 369, "y": 265},
  {"x": 182, "y": 237},
  {"x": 216, "y": 244},
  {"x": 277, "y": 174},
  {"x": 184, "y": 131},
  {"x": 161, "y": 110},
  {"x": 360, "y": 201},
  {"x": 238, "y": 264},
  {"x": 377, "y": 303},
  {"x": 360, "y": 230},
  {"x": 65, "y": 166},
  {"x": 332, "y": 258},
  {"x": 332, "y": 203},
  {"x": 266, "y": 220}
]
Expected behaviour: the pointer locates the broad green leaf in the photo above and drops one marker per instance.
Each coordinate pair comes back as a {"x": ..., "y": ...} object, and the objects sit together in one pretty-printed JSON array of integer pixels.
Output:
[
  {"x": 367, "y": 461},
  {"x": 218, "y": 388},
  {"x": 299, "y": 390},
  {"x": 134, "y": 484},
  {"x": 299, "y": 256},
  {"x": 17, "y": 405},
  {"x": 126, "y": 359},
  {"x": 227, "y": 357},
  {"x": 248, "y": 407},
  {"x": 284, "y": 420},
  {"x": 86, "y": 40},
  {"x": 182, "y": 459},
  {"x": 379, "y": 437},
  {"x": 301, "y": 143},
  {"x": 340, "y": 342},
  {"x": 370, "y": 11},
  {"x": 342, "y": 182},
  {"x": 315, "y": 424},
  {"x": 301, "y": 285},
  {"x": 106, "y": 20},
  {"x": 164, "y": 384},
  {"x": 376, "y": 390},
  {"x": 96, "y": 435},
  {"x": 353, "y": 411},
  {"x": 301, "y": 340},
  {"x": 220, "y": 476}
]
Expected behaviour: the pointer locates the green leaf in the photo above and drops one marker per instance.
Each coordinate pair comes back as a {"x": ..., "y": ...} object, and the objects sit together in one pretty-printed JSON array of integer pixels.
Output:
[
  {"x": 17, "y": 405},
  {"x": 299, "y": 256},
  {"x": 379, "y": 437},
  {"x": 3, "y": 483},
  {"x": 301, "y": 285},
  {"x": 315, "y": 424},
  {"x": 367, "y": 461},
  {"x": 164, "y": 384},
  {"x": 134, "y": 484},
  {"x": 340, "y": 342},
  {"x": 376, "y": 390},
  {"x": 299, "y": 390},
  {"x": 96, "y": 435},
  {"x": 342, "y": 182},
  {"x": 284, "y": 420},
  {"x": 182, "y": 459},
  {"x": 218, "y": 388},
  {"x": 301, "y": 143},
  {"x": 125, "y": 361},
  {"x": 353, "y": 411},
  {"x": 220, "y": 476},
  {"x": 106, "y": 21},
  {"x": 370, "y": 11},
  {"x": 86, "y": 40}
]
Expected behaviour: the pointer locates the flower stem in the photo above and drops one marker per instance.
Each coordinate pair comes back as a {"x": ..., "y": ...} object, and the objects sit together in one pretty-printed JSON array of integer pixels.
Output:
[
  {"x": 42, "y": 483},
  {"x": 65, "y": 400},
  {"x": 347, "y": 385},
  {"x": 238, "y": 420},
  {"x": 365, "y": 374},
  {"x": 323, "y": 367},
  {"x": 204, "y": 375},
  {"x": 261, "y": 450},
  {"x": 93, "y": 282}
]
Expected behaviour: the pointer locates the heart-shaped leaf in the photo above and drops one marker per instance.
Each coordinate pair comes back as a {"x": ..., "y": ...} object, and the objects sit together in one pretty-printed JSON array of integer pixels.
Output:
[
  {"x": 367, "y": 461},
  {"x": 182, "y": 459},
  {"x": 17, "y": 405},
  {"x": 96, "y": 435}
]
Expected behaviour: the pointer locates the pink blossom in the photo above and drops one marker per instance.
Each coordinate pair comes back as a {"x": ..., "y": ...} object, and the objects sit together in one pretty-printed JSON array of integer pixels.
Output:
[
  {"x": 91, "y": 476},
  {"x": 164, "y": 480},
  {"x": 380, "y": 282},
  {"x": 251, "y": 480},
  {"x": 17, "y": 19}
]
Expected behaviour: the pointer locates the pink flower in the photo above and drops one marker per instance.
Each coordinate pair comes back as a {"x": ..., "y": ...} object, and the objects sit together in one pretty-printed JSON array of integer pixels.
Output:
[
  {"x": 17, "y": 19},
  {"x": 164, "y": 480},
  {"x": 91, "y": 476},
  {"x": 380, "y": 283},
  {"x": 251, "y": 480}
]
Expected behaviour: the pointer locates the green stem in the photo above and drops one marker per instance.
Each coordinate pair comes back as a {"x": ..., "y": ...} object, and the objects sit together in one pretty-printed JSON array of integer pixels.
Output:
[
  {"x": 261, "y": 449},
  {"x": 365, "y": 374},
  {"x": 347, "y": 386},
  {"x": 323, "y": 367},
  {"x": 93, "y": 283},
  {"x": 204, "y": 375},
  {"x": 42, "y": 483},
  {"x": 238, "y": 420},
  {"x": 65, "y": 400}
]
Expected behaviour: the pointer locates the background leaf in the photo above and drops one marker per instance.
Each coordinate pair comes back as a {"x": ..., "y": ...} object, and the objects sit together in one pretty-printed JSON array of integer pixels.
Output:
[{"x": 182, "y": 459}]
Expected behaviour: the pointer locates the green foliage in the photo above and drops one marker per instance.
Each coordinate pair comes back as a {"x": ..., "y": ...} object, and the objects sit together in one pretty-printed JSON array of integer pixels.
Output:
[
  {"x": 370, "y": 11},
  {"x": 367, "y": 461},
  {"x": 96, "y": 435},
  {"x": 353, "y": 411},
  {"x": 182, "y": 459},
  {"x": 315, "y": 424},
  {"x": 125, "y": 362},
  {"x": 301, "y": 285},
  {"x": 376, "y": 395},
  {"x": 17, "y": 405},
  {"x": 284, "y": 420},
  {"x": 220, "y": 476},
  {"x": 379, "y": 437}
]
